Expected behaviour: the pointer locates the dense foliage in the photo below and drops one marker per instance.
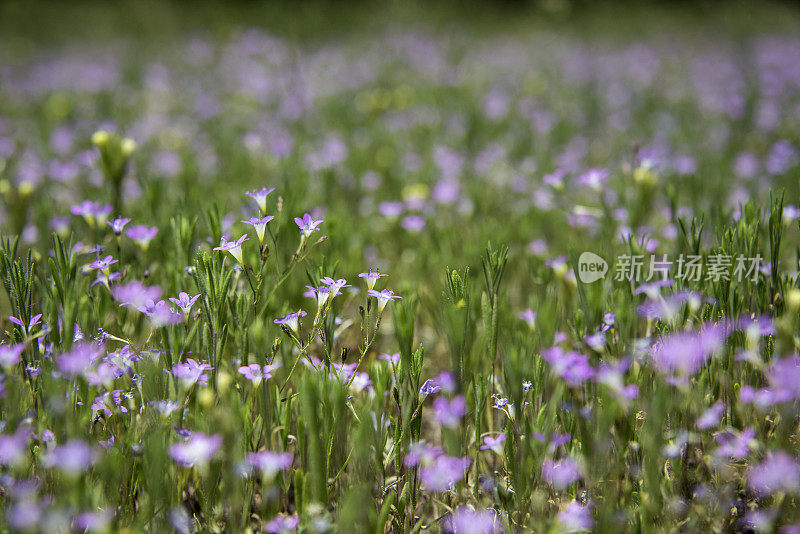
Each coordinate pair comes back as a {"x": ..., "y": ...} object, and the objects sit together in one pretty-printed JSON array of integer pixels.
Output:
[{"x": 252, "y": 283}]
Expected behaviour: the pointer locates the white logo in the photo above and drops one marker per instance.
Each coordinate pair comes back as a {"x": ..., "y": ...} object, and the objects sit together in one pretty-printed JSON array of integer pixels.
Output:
[{"x": 591, "y": 267}]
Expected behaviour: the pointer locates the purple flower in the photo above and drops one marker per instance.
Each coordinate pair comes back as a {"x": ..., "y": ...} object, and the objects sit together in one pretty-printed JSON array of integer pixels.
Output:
[
  {"x": 371, "y": 277},
  {"x": 468, "y": 521},
  {"x": 501, "y": 403},
  {"x": 36, "y": 319},
  {"x": 334, "y": 286},
  {"x": 393, "y": 359},
  {"x": 421, "y": 452},
  {"x": 322, "y": 294},
  {"x": 197, "y": 450},
  {"x": 13, "y": 448},
  {"x": 291, "y": 321},
  {"x": 10, "y": 355},
  {"x": 160, "y": 314},
  {"x": 234, "y": 247},
  {"x": 594, "y": 178},
  {"x": 413, "y": 223},
  {"x": 443, "y": 472},
  {"x": 669, "y": 307},
  {"x": 281, "y": 524},
  {"x": 164, "y": 407},
  {"x": 711, "y": 417},
  {"x": 784, "y": 377},
  {"x": 684, "y": 353},
  {"x": 135, "y": 294},
  {"x": 92, "y": 521},
  {"x": 190, "y": 372},
  {"x": 92, "y": 212},
  {"x": 763, "y": 398},
  {"x": 383, "y": 297},
  {"x": 576, "y": 517},
  {"x": 142, "y": 235},
  {"x": 256, "y": 373},
  {"x": 103, "y": 264},
  {"x": 778, "y": 472},
  {"x": 612, "y": 376},
  {"x": 529, "y": 316},
  {"x": 24, "y": 515},
  {"x": 269, "y": 463},
  {"x": 449, "y": 413},
  {"x": 79, "y": 359},
  {"x": 652, "y": 289},
  {"x": 73, "y": 457},
  {"x": 260, "y": 197},
  {"x": 117, "y": 225},
  {"x": 307, "y": 225},
  {"x": 390, "y": 209},
  {"x": 734, "y": 445},
  {"x": 493, "y": 443},
  {"x": 571, "y": 366},
  {"x": 260, "y": 225},
  {"x": 184, "y": 302},
  {"x": 429, "y": 387},
  {"x": 108, "y": 402},
  {"x": 555, "y": 179},
  {"x": 561, "y": 474},
  {"x": 180, "y": 520}
]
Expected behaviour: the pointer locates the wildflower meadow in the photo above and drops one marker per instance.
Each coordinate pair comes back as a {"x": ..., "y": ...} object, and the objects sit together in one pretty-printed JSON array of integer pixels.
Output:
[{"x": 363, "y": 269}]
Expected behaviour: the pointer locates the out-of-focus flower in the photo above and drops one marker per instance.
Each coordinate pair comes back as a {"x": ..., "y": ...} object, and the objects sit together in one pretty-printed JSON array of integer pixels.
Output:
[
  {"x": 78, "y": 360},
  {"x": 142, "y": 235},
  {"x": 441, "y": 474},
  {"x": 711, "y": 417},
  {"x": 160, "y": 314},
  {"x": 282, "y": 524},
  {"x": 197, "y": 450},
  {"x": 73, "y": 457},
  {"x": 135, "y": 294},
  {"x": 784, "y": 377},
  {"x": 190, "y": 372},
  {"x": 13, "y": 448},
  {"x": 778, "y": 472},
  {"x": 576, "y": 517},
  {"x": 449, "y": 413},
  {"x": 493, "y": 443},
  {"x": 256, "y": 373},
  {"x": 734, "y": 445},
  {"x": 10, "y": 355},
  {"x": 561, "y": 474},
  {"x": 684, "y": 353},
  {"x": 117, "y": 225},
  {"x": 269, "y": 463},
  {"x": 93, "y": 213},
  {"x": 96, "y": 521},
  {"x": 529, "y": 316},
  {"x": 467, "y": 521},
  {"x": 572, "y": 366}
]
